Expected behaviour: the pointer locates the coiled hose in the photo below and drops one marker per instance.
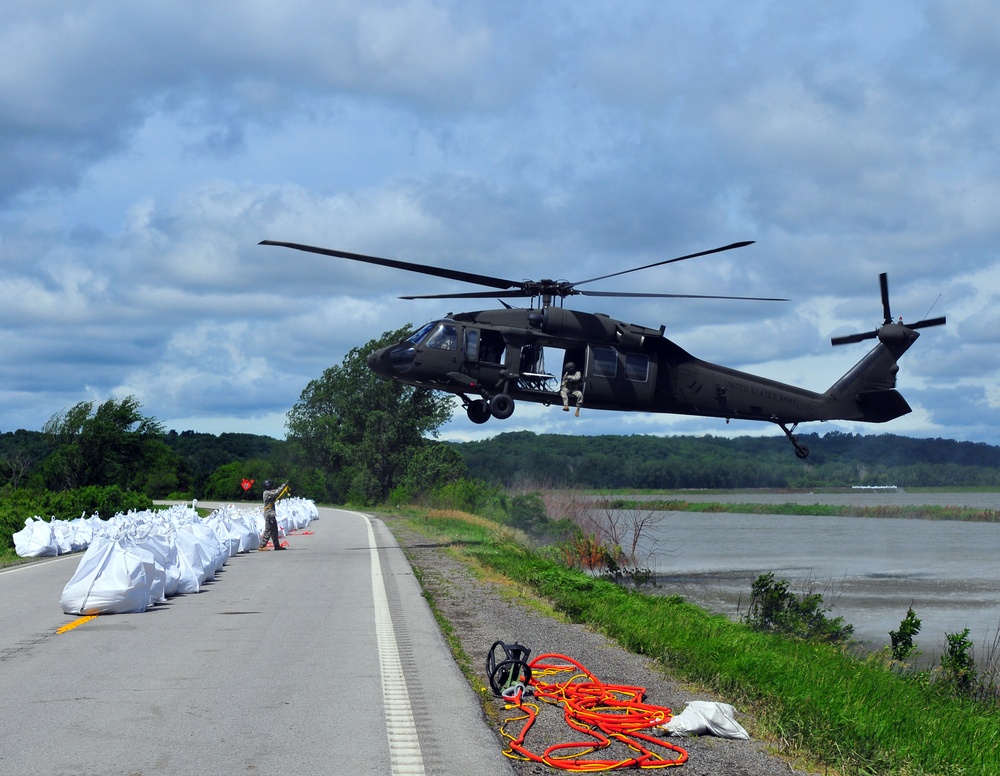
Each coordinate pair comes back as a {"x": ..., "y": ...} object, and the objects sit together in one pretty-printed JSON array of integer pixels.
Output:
[{"x": 603, "y": 713}]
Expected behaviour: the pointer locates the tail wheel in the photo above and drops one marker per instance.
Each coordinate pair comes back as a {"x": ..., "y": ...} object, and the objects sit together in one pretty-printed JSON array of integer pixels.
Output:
[{"x": 502, "y": 406}]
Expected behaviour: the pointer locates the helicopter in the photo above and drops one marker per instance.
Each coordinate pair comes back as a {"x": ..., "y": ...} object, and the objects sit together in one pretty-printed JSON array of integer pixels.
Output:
[{"x": 492, "y": 359}]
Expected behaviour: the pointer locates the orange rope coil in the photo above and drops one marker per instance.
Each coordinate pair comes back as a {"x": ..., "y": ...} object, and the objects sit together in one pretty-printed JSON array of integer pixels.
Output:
[{"x": 604, "y": 713}]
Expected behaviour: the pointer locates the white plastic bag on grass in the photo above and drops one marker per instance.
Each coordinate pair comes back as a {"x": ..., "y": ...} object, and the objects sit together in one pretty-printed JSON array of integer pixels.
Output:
[{"x": 706, "y": 718}]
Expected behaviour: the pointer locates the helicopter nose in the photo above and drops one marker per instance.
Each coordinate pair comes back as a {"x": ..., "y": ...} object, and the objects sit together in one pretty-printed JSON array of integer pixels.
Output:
[
  {"x": 393, "y": 360},
  {"x": 376, "y": 362}
]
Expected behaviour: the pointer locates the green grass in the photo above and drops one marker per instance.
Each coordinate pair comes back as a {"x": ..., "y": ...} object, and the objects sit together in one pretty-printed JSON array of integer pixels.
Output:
[{"x": 857, "y": 716}]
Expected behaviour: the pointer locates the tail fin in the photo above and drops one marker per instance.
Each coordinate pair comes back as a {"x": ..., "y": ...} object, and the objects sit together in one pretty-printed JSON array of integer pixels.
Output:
[{"x": 867, "y": 392}]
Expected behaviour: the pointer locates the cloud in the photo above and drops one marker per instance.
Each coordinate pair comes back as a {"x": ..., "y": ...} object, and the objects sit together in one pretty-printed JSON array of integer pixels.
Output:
[{"x": 145, "y": 151}]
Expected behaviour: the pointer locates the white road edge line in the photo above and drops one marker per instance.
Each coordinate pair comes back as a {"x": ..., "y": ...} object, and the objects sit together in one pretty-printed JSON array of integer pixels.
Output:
[
  {"x": 36, "y": 564},
  {"x": 404, "y": 747}
]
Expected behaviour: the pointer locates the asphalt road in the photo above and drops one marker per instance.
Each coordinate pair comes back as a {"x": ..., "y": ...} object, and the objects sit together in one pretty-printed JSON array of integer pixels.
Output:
[{"x": 324, "y": 659}]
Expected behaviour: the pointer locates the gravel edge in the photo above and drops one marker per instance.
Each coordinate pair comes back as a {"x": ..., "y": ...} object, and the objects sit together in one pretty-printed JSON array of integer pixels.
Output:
[{"x": 480, "y": 612}]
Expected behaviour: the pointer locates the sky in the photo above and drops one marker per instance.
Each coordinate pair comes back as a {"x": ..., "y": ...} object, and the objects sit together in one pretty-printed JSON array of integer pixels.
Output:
[{"x": 147, "y": 148}]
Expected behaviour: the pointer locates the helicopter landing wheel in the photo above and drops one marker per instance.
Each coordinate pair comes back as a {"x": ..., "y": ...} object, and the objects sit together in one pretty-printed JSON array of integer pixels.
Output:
[
  {"x": 478, "y": 411},
  {"x": 801, "y": 451},
  {"x": 502, "y": 406}
]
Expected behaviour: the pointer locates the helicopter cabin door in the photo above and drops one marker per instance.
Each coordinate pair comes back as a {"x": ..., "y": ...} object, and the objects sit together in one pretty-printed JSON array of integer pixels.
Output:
[
  {"x": 618, "y": 379},
  {"x": 484, "y": 355}
]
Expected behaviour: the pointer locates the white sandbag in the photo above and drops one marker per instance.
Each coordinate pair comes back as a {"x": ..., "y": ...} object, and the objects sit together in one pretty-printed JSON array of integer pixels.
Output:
[
  {"x": 165, "y": 553},
  {"x": 246, "y": 526},
  {"x": 154, "y": 573},
  {"x": 706, "y": 718},
  {"x": 62, "y": 533},
  {"x": 192, "y": 553},
  {"x": 224, "y": 532},
  {"x": 36, "y": 539},
  {"x": 187, "y": 583},
  {"x": 110, "y": 579},
  {"x": 240, "y": 523},
  {"x": 209, "y": 543},
  {"x": 81, "y": 533}
]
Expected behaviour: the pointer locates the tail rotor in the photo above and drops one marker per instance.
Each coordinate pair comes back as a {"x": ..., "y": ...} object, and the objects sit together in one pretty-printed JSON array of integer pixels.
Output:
[{"x": 887, "y": 319}]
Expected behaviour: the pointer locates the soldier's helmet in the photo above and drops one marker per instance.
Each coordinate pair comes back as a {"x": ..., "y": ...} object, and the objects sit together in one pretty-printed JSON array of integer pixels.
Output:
[
  {"x": 570, "y": 366},
  {"x": 268, "y": 484}
]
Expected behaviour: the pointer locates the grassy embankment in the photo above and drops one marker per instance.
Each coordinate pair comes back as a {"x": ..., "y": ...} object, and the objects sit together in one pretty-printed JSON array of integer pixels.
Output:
[{"x": 858, "y": 717}]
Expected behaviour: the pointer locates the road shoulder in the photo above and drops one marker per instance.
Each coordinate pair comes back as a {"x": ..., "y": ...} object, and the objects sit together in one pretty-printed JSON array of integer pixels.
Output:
[{"x": 481, "y": 612}]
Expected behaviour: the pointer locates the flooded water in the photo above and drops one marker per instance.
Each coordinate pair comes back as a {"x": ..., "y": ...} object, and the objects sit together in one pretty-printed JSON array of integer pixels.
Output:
[{"x": 869, "y": 570}]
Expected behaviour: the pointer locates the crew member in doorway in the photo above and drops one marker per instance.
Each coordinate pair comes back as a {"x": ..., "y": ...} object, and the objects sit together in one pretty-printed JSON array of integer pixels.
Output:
[{"x": 570, "y": 386}]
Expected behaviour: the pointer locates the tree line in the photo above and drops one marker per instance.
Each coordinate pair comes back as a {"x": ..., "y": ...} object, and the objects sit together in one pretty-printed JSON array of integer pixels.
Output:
[{"x": 836, "y": 459}]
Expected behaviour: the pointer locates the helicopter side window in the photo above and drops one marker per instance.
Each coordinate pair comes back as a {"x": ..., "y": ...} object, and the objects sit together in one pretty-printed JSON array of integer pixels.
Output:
[
  {"x": 636, "y": 367},
  {"x": 472, "y": 344},
  {"x": 445, "y": 337},
  {"x": 605, "y": 362}
]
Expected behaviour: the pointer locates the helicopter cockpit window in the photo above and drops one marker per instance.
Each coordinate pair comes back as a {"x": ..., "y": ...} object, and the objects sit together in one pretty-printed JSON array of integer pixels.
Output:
[
  {"x": 605, "y": 362},
  {"x": 636, "y": 367},
  {"x": 444, "y": 337},
  {"x": 420, "y": 333}
]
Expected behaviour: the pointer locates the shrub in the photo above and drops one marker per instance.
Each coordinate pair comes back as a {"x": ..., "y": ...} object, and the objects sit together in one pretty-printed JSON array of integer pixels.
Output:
[
  {"x": 774, "y": 608},
  {"x": 527, "y": 512},
  {"x": 473, "y": 496},
  {"x": 902, "y": 640},
  {"x": 18, "y": 505},
  {"x": 958, "y": 664}
]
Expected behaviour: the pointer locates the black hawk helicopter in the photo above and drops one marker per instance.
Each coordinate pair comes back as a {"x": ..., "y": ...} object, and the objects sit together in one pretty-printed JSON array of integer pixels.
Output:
[{"x": 493, "y": 358}]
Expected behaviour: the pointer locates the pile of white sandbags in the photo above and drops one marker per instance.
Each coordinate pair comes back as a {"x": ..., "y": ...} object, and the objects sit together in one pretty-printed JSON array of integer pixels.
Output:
[
  {"x": 293, "y": 514},
  {"x": 137, "y": 560},
  {"x": 40, "y": 539}
]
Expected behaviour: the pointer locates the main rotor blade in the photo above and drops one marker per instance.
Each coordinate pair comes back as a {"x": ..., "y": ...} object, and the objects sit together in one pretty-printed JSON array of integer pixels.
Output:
[
  {"x": 668, "y": 261},
  {"x": 629, "y": 294},
  {"x": 519, "y": 293},
  {"x": 883, "y": 282},
  {"x": 450, "y": 274}
]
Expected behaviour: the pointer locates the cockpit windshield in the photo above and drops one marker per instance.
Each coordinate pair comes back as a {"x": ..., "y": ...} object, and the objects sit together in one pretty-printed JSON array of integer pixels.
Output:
[
  {"x": 444, "y": 337},
  {"x": 417, "y": 337}
]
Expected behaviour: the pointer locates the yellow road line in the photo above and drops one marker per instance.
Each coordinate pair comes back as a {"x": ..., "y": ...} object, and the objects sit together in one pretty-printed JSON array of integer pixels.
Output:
[{"x": 76, "y": 623}]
